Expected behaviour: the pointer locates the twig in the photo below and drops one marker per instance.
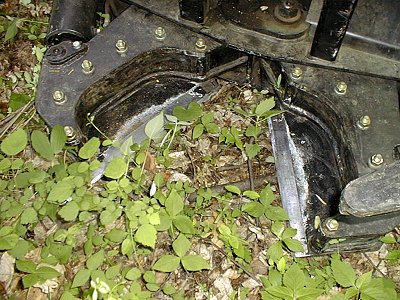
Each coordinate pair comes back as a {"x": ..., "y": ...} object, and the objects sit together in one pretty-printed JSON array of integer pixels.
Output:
[
  {"x": 12, "y": 118},
  {"x": 372, "y": 264},
  {"x": 250, "y": 168}
]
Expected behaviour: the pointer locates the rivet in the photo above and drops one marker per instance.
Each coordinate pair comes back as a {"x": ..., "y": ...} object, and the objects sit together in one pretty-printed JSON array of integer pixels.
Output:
[
  {"x": 87, "y": 66},
  {"x": 341, "y": 88},
  {"x": 332, "y": 225},
  {"x": 376, "y": 160},
  {"x": 297, "y": 72},
  {"x": 364, "y": 122},
  {"x": 59, "y": 97},
  {"x": 70, "y": 133},
  {"x": 121, "y": 46},
  {"x": 77, "y": 45},
  {"x": 201, "y": 44},
  {"x": 160, "y": 33}
]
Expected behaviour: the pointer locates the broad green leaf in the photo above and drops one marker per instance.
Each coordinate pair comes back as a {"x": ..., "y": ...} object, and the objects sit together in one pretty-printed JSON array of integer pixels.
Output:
[
  {"x": 174, "y": 203},
  {"x": 198, "y": 131},
  {"x": 15, "y": 142},
  {"x": 194, "y": 263},
  {"x": 5, "y": 164},
  {"x": 252, "y": 131},
  {"x": 293, "y": 245},
  {"x": 343, "y": 273},
  {"x": 184, "y": 224},
  {"x": 116, "y": 168},
  {"x": 181, "y": 245},
  {"x": 267, "y": 195},
  {"x": 212, "y": 128},
  {"x": 95, "y": 261},
  {"x": 60, "y": 192},
  {"x": 308, "y": 293},
  {"x": 116, "y": 235},
  {"x": 89, "y": 149},
  {"x": 47, "y": 273},
  {"x": 29, "y": 216},
  {"x": 12, "y": 30},
  {"x": 192, "y": 113},
  {"x": 58, "y": 138},
  {"x": 252, "y": 150},
  {"x": 146, "y": 235},
  {"x": 133, "y": 274},
  {"x": 127, "y": 247},
  {"x": 154, "y": 126},
  {"x": 30, "y": 280},
  {"x": 278, "y": 228},
  {"x": 9, "y": 241},
  {"x": 281, "y": 292},
  {"x": 364, "y": 280},
  {"x": 388, "y": 239},
  {"x": 70, "y": 211},
  {"x": 265, "y": 106},
  {"x": 21, "y": 249},
  {"x": 167, "y": 263},
  {"x": 254, "y": 209},
  {"x": 67, "y": 296},
  {"x": 113, "y": 271},
  {"x": 207, "y": 118},
  {"x": 276, "y": 213},
  {"x": 233, "y": 189},
  {"x": 41, "y": 144},
  {"x": 251, "y": 194},
  {"x": 294, "y": 278},
  {"x": 18, "y": 100},
  {"x": 289, "y": 233},
  {"x": 81, "y": 278},
  {"x": 275, "y": 252},
  {"x": 26, "y": 266}
]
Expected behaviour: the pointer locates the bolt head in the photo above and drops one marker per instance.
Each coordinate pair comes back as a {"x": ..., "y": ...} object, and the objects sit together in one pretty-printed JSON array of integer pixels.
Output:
[
  {"x": 332, "y": 225},
  {"x": 297, "y": 72},
  {"x": 341, "y": 88},
  {"x": 364, "y": 122},
  {"x": 160, "y": 33},
  {"x": 201, "y": 44},
  {"x": 376, "y": 160},
  {"x": 121, "y": 46},
  {"x": 77, "y": 45},
  {"x": 58, "y": 97},
  {"x": 87, "y": 66},
  {"x": 69, "y": 132}
]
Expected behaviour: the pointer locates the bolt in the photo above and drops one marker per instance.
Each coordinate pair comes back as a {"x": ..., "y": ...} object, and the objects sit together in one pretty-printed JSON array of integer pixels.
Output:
[
  {"x": 364, "y": 122},
  {"x": 341, "y": 88},
  {"x": 58, "y": 97},
  {"x": 70, "y": 133},
  {"x": 201, "y": 44},
  {"x": 297, "y": 72},
  {"x": 77, "y": 45},
  {"x": 160, "y": 33},
  {"x": 376, "y": 160},
  {"x": 332, "y": 225},
  {"x": 121, "y": 46},
  {"x": 87, "y": 66}
]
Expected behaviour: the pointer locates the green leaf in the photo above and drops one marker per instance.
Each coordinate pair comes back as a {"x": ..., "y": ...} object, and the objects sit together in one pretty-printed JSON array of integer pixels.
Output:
[
  {"x": 167, "y": 263},
  {"x": 95, "y": 261},
  {"x": 289, "y": 233},
  {"x": 181, "y": 245},
  {"x": 254, "y": 209},
  {"x": 252, "y": 150},
  {"x": 41, "y": 144},
  {"x": 281, "y": 292},
  {"x": 154, "y": 126},
  {"x": 212, "y": 128},
  {"x": 133, "y": 274},
  {"x": 89, "y": 149},
  {"x": 193, "y": 112},
  {"x": 308, "y": 293},
  {"x": 146, "y": 235},
  {"x": 70, "y": 211},
  {"x": 293, "y": 245},
  {"x": 275, "y": 252},
  {"x": 60, "y": 192},
  {"x": 174, "y": 203},
  {"x": 81, "y": 278},
  {"x": 198, "y": 131},
  {"x": 276, "y": 213},
  {"x": 233, "y": 189},
  {"x": 18, "y": 100},
  {"x": 15, "y": 142},
  {"x": 67, "y": 296},
  {"x": 21, "y": 249},
  {"x": 388, "y": 239},
  {"x": 116, "y": 235},
  {"x": 207, "y": 118},
  {"x": 47, "y": 273},
  {"x": 343, "y": 273},
  {"x": 294, "y": 278},
  {"x": 29, "y": 216},
  {"x": 26, "y": 266},
  {"x": 278, "y": 228},
  {"x": 9, "y": 241},
  {"x": 30, "y": 280},
  {"x": 264, "y": 106},
  {"x": 58, "y": 138},
  {"x": 252, "y": 131},
  {"x": 194, "y": 263},
  {"x": 12, "y": 30},
  {"x": 379, "y": 293},
  {"x": 251, "y": 194},
  {"x": 116, "y": 168},
  {"x": 113, "y": 271},
  {"x": 364, "y": 280},
  {"x": 183, "y": 224},
  {"x": 127, "y": 247}
]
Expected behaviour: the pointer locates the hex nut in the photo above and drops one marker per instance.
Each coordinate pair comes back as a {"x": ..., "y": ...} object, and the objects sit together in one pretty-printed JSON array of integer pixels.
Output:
[
  {"x": 69, "y": 132},
  {"x": 160, "y": 33},
  {"x": 201, "y": 44},
  {"x": 59, "y": 97},
  {"x": 121, "y": 46},
  {"x": 87, "y": 67},
  {"x": 332, "y": 225},
  {"x": 376, "y": 160},
  {"x": 77, "y": 45},
  {"x": 364, "y": 122},
  {"x": 341, "y": 88},
  {"x": 296, "y": 73}
]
